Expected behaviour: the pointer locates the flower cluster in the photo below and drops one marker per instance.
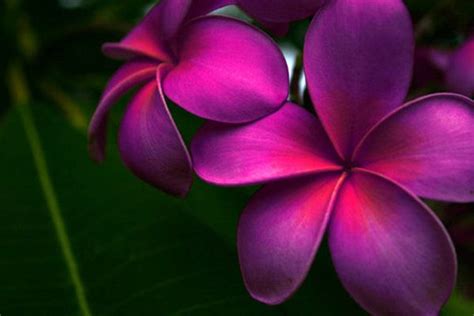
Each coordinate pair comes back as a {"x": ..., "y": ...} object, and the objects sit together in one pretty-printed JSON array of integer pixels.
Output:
[{"x": 354, "y": 170}]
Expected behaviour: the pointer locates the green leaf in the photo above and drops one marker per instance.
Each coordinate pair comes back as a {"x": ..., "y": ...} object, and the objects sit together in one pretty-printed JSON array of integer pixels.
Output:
[{"x": 104, "y": 243}]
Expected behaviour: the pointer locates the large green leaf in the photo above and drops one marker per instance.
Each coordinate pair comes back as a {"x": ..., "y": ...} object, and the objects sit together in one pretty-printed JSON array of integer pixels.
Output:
[{"x": 104, "y": 243}]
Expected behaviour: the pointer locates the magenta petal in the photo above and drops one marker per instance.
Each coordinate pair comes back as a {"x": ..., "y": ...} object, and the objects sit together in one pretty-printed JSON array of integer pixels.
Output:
[
  {"x": 280, "y": 10},
  {"x": 151, "y": 145},
  {"x": 358, "y": 59},
  {"x": 391, "y": 253},
  {"x": 129, "y": 75},
  {"x": 279, "y": 233},
  {"x": 228, "y": 71},
  {"x": 460, "y": 72},
  {"x": 155, "y": 35},
  {"x": 427, "y": 146},
  {"x": 149, "y": 38},
  {"x": 287, "y": 143}
]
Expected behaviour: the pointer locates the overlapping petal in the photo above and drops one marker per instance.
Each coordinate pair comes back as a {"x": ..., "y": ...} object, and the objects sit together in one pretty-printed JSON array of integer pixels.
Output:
[
  {"x": 390, "y": 252},
  {"x": 228, "y": 71},
  {"x": 358, "y": 59},
  {"x": 279, "y": 233},
  {"x": 133, "y": 73},
  {"x": 149, "y": 38},
  {"x": 280, "y": 10},
  {"x": 428, "y": 146},
  {"x": 460, "y": 73},
  {"x": 153, "y": 35},
  {"x": 287, "y": 143},
  {"x": 150, "y": 144}
]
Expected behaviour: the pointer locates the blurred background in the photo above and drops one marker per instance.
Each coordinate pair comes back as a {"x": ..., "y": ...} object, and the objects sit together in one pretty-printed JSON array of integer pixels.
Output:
[{"x": 79, "y": 239}]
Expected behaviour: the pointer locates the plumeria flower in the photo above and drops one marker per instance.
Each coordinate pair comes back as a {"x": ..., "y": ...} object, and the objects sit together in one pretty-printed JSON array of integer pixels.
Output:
[
  {"x": 355, "y": 172},
  {"x": 454, "y": 68},
  {"x": 215, "y": 67}
]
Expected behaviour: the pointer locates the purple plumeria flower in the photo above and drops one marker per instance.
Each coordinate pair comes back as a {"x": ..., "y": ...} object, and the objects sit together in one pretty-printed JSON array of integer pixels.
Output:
[
  {"x": 454, "y": 68},
  {"x": 215, "y": 67},
  {"x": 354, "y": 172}
]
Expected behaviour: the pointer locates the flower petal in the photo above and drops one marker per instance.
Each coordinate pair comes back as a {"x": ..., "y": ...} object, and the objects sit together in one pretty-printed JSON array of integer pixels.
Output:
[
  {"x": 287, "y": 143},
  {"x": 279, "y": 233},
  {"x": 151, "y": 145},
  {"x": 391, "y": 253},
  {"x": 460, "y": 73},
  {"x": 280, "y": 10},
  {"x": 358, "y": 59},
  {"x": 153, "y": 35},
  {"x": 131, "y": 74},
  {"x": 203, "y": 7},
  {"x": 427, "y": 146},
  {"x": 214, "y": 82},
  {"x": 149, "y": 37}
]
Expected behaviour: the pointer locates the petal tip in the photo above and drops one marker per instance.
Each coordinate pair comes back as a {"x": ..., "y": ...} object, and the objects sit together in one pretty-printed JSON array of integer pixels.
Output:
[
  {"x": 183, "y": 191},
  {"x": 271, "y": 301}
]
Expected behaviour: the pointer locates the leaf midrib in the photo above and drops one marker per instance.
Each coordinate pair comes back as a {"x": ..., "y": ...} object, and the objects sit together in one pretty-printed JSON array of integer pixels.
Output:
[{"x": 20, "y": 93}]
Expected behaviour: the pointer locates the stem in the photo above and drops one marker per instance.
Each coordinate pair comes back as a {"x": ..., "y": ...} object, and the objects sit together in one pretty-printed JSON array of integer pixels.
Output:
[{"x": 20, "y": 97}]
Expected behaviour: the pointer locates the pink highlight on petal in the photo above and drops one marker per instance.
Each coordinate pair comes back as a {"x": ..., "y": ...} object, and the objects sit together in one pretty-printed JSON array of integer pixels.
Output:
[
  {"x": 150, "y": 38},
  {"x": 133, "y": 73},
  {"x": 280, "y": 231},
  {"x": 288, "y": 143},
  {"x": 150, "y": 143},
  {"x": 387, "y": 247}
]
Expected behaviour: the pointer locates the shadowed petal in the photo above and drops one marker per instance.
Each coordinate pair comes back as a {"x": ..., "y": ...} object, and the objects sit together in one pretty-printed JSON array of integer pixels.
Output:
[
  {"x": 460, "y": 72},
  {"x": 131, "y": 74},
  {"x": 280, "y": 10},
  {"x": 151, "y": 145},
  {"x": 390, "y": 252},
  {"x": 358, "y": 59},
  {"x": 428, "y": 146},
  {"x": 276, "y": 28},
  {"x": 287, "y": 143},
  {"x": 279, "y": 233},
  {"x": 203, "y": 7},
  {"x": 228, "y": 71}
]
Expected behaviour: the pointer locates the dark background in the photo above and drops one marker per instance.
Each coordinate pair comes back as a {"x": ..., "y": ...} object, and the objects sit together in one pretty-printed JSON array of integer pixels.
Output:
[{"x": 136, "y": 250}]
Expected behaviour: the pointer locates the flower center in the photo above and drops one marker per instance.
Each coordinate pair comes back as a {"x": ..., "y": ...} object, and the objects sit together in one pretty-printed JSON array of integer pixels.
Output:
[{"x": 348, "y": 165}]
